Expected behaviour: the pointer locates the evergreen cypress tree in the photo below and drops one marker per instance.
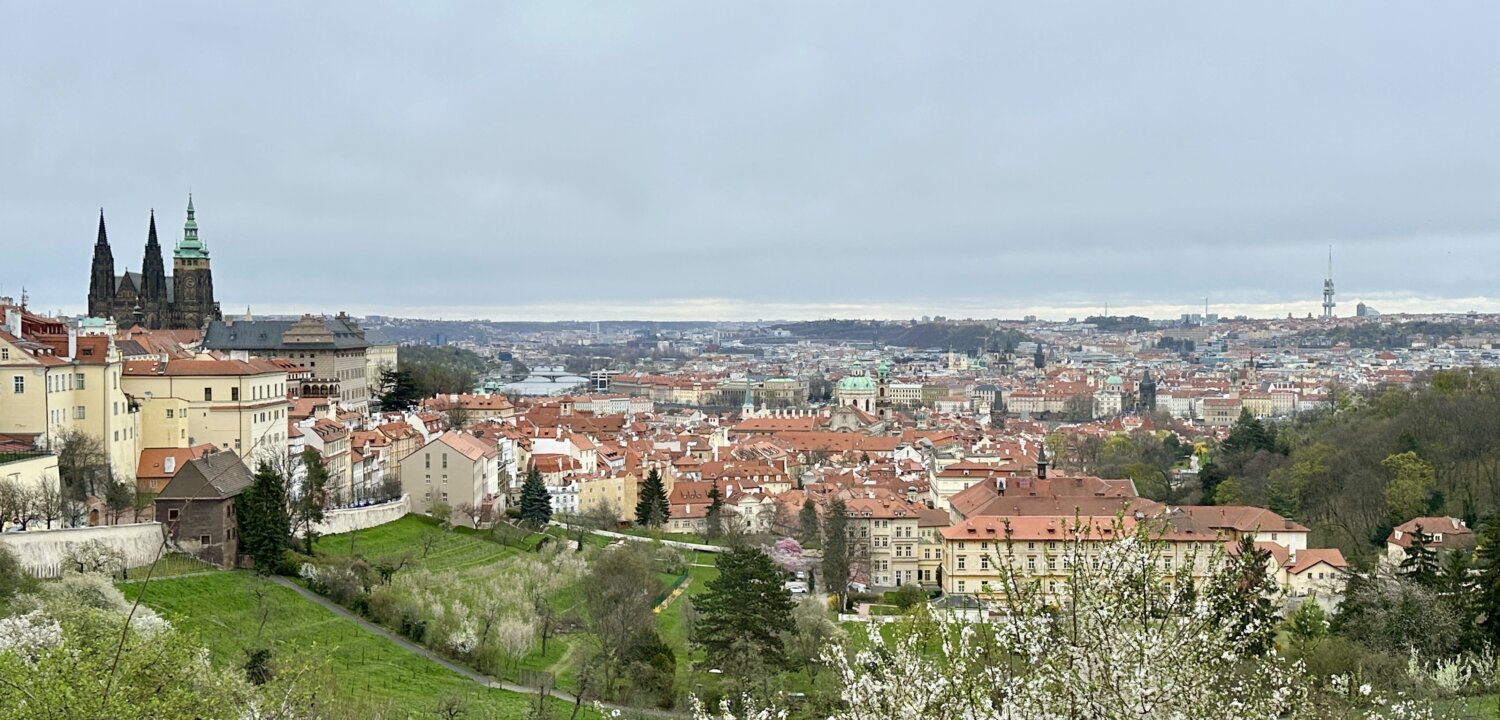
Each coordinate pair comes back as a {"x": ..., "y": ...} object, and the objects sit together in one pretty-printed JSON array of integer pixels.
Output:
[
  {"x": 265, "y": 525},
  {"x": 536, "y": 502},
  {"x": 836, "y": 558},
  {"x": 314, "y": 496},
  {"x": 714, "y": 519},
  {"x": 652, "y": 509},
  {"x": 807, "y": 524},
  {"x": 1421, "y": 563}
]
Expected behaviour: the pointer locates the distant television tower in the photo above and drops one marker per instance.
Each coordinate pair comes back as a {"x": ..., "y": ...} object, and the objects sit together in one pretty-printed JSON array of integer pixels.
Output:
[{"x": 1328, "y": 288}]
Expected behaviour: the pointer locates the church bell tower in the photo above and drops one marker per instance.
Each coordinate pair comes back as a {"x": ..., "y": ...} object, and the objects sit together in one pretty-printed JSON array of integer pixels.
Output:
[{"x": 192, "y": 278}]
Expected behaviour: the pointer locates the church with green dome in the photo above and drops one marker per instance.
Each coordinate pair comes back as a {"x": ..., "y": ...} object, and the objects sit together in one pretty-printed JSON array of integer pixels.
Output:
[
  {"x": 150, "y": 298},
  {"x": 856, "y": 390}
]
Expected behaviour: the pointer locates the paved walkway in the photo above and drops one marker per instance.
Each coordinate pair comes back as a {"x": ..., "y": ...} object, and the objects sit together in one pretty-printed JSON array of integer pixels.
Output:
[
  {"x": 641, "y": 538},
  {"x": 467, "y": 672}
]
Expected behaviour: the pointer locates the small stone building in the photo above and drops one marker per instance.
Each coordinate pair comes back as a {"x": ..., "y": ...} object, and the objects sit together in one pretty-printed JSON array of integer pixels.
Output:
[{"x": 198, "y": 506}]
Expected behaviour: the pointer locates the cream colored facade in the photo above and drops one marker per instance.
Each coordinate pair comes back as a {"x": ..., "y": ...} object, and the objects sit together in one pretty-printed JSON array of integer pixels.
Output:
[
  {"x": 621, "y": 491},
  {"x": 904, "y": 394},
  {"x": 234, "y": 404},
  {"x": 976, "y": 550},
  {"x": 455, "y": 469},
  {"x": 930, "y": 554},
  {"x": 378, "y": 358},
  {"x": 31, "y": 471},
  {"x": 47, "y": 395},
  {"x": 886, "y": 533}
]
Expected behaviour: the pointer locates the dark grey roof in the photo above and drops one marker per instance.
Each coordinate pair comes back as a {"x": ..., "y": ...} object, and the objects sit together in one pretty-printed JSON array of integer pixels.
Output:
[
  {"x": 134, "y": 278},
  {"x": 212, "y": 477},
  {"x": 266, "y": 335},
  {"x": 131, "y": 348}
]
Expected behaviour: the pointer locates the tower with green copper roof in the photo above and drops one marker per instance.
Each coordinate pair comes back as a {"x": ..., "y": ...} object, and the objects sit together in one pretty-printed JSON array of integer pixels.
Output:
[
  {"x": 192, "y": 277},
  {"x": 190, "y": 247}
]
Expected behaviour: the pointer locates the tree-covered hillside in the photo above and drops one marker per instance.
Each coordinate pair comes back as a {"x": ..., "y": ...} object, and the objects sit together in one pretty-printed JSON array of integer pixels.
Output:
[
  {"x": 959, "y": 337},
  {"x": 1380, "y": 458}
]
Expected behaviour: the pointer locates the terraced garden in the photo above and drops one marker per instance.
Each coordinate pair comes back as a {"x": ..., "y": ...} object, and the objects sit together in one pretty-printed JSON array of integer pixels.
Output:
[
  {"x": 465, "y": 595},
  {"x": 429, "y": 546},
  {"x": 372, "y": 677}
]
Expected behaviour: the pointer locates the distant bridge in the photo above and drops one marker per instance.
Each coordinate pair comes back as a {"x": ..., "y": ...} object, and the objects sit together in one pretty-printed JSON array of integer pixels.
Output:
[{"x": 555, "y": 374}]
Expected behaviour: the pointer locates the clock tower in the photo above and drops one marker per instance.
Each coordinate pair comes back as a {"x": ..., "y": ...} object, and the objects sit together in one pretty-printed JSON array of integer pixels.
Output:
[{"x": 192, "y": 278}]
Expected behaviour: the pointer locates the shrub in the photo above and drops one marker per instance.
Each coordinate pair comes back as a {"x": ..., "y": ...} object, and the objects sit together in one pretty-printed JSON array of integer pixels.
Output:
[
  {"x": 14, "y": 580},
  {"x": 292, "y": 562},
  {"x": 91, "y": 590},
  {"x": 346, "y": 582},
  {"x": 1340, "y": 656},
  {"x": 260, "y": 666},
  {"x": 906, "y": 597}
]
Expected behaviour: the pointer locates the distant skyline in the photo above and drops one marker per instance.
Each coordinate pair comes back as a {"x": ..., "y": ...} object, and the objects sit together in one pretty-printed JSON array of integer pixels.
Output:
[{"x": 781, "y": 160}]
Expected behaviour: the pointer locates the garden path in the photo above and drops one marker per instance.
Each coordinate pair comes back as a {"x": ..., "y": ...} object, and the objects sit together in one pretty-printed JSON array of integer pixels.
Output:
[{"x": 469, "y": 673}]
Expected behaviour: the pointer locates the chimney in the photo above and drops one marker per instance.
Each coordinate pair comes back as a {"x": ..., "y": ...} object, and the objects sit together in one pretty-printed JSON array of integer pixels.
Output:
[{"x": 72, "y": 342}]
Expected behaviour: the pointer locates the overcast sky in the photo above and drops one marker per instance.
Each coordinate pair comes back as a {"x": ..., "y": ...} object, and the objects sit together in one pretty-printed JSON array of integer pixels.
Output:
[{"x": 744, "y": 160}]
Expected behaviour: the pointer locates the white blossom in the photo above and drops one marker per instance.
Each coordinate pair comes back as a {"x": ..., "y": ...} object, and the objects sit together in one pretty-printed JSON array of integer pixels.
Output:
[{"x": 29, "y": 635}]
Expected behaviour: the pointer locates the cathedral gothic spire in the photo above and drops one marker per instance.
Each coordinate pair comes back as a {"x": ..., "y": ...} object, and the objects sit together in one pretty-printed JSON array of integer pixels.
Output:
[
  {"x": 151, "y": 298},
  {"x": 102, "y": 275}
]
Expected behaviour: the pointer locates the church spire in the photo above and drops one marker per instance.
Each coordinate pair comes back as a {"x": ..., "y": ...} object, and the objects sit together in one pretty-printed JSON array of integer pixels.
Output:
[
  {"x": 190, "y": 247},
  {"x": 749, "y": 404},
  {"x": 153, "y": 281},
  {"x": 102, "y": 275}
]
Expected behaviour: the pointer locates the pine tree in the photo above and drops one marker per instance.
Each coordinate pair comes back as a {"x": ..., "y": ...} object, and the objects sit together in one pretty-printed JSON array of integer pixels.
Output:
[
  {"x": 398, "y": 390},
  {"x": 1421, "y": 563},
  {"x": 1249, "y": 434},
  {"x": 807, "y": 522},
  {"x": 1487, "y": 600},
  {"x": 1307, "y": 625},
  {"x": 652, "y": 509},
  {"x": 714, "y": 519},
  {"x": 536, "y": 502},
  {"x": 836, "y": 558},
  {"x": 746, "y": 609},
  {"x": 265, "y": 525}
]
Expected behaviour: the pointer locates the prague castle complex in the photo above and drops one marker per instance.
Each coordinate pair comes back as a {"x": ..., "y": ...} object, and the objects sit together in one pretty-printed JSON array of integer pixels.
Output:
[{"x": 151, "y": 298}]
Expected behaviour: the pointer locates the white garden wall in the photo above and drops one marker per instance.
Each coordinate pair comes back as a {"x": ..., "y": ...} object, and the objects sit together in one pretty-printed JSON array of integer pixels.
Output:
[
  {"x": 351, "y": 519},
  {"x": 42, "y": 551}
]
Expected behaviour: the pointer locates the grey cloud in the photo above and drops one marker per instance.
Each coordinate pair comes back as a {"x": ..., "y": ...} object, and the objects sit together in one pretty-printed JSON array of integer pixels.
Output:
[{"x": 890, "y": 155}]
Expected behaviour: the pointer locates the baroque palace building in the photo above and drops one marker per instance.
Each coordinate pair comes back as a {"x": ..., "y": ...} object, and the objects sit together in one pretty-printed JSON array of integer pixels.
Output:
[{"x": 150, "y": 298}]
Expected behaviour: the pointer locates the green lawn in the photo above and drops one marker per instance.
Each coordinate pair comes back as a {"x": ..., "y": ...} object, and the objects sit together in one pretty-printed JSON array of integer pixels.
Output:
[
  {"x": 1487, "y": 706},
  {"x": 678, "y": 537},
  {"x": 368, "y": 671},
  {"x": 428, "y": 545},
  {"x": 169, "y": 565},
  {"x": 589, "y": 540},
  {"x": 670, "y": 622}
]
